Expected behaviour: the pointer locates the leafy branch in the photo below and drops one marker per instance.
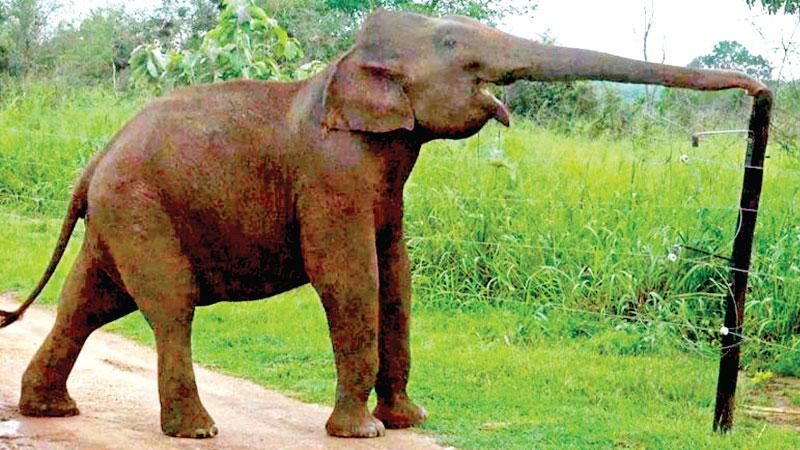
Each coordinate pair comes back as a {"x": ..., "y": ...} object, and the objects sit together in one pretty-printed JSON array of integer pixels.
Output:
[{"x": 246, "y": 43}]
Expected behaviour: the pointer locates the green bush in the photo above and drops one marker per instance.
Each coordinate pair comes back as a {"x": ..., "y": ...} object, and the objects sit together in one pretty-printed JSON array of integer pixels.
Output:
[{"x": 246, "y": 43}]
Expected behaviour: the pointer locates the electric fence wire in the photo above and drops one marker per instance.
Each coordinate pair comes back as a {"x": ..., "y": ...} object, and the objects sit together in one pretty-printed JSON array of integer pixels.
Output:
[
  {"x": 623, "y": 205},
  {"x": 16, "y": 197},
  {"x": 31, "y": 219},
  {"x": 671, "y": 256},
  {"x": 634, "y": 316},
  {"x": 583, "y": 203},
  {"x": 668, "y": 256},
  {"x": 683, "y": 325},
  {"x": 684, "y": 159}
]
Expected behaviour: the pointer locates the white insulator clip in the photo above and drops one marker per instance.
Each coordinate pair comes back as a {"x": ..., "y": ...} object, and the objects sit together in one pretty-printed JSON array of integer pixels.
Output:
[{"x": 673, "y": 255}]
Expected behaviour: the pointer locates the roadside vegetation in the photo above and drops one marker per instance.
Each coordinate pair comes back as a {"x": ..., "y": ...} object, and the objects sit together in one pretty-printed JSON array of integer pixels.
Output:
[{"x": 556, "y": 303}]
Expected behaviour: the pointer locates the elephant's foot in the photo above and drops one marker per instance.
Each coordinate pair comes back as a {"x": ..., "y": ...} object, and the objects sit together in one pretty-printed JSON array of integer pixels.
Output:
[
  {"x": 188, "y": 421},
  {"x": 51, "y": 404},
  {"x": 399, "y": 412},
  {"x": 354, "y": 422}
]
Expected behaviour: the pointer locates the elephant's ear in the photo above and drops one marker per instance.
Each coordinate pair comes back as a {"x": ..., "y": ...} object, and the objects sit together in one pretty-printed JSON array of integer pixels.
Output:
[{"x": 366, "y": 96}]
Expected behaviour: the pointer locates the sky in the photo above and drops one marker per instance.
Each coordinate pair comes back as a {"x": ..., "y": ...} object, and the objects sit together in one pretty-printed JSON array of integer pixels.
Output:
[{"x": 681, "y": 29}]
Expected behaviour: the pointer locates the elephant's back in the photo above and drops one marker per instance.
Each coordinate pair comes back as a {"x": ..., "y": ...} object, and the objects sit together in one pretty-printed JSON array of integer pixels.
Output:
[{"x": 206, "y": 148}]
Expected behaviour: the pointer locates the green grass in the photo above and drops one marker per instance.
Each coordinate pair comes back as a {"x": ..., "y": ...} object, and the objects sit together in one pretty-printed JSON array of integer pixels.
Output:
[{"x": 547, "y": 313}]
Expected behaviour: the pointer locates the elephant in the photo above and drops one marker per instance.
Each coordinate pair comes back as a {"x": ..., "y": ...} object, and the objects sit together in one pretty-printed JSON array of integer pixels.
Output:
[{"x": 242, "y": 190}]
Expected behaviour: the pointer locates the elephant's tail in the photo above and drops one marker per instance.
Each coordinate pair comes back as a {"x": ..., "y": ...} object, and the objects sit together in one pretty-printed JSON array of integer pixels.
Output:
[{"x": 77, "y": 210}]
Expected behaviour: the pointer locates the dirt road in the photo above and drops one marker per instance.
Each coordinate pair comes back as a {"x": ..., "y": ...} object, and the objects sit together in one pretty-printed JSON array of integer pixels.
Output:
[{"x": 114, "y": 384}]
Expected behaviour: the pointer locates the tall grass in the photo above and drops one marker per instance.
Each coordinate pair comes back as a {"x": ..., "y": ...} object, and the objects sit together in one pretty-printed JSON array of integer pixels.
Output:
[
  {"x": 543, "y": 225},
  {"x": 536, "y": 222},
  {"x": 48, "y": 133}
]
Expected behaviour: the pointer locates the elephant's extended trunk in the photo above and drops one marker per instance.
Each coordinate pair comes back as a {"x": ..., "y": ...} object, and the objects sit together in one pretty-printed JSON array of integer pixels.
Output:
[{"x": 538, "y": 62}]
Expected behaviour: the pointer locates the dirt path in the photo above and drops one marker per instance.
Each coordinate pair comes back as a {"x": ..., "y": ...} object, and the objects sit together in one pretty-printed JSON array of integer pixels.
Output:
[{"x": 114, "y": 384}]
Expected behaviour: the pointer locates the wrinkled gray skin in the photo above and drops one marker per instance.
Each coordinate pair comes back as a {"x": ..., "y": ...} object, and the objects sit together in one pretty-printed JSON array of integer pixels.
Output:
[{"x": 242, "y": 190}]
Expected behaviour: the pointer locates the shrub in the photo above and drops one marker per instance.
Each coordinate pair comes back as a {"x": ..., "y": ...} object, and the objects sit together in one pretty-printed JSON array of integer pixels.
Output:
[{"x": 246, "y": 43}]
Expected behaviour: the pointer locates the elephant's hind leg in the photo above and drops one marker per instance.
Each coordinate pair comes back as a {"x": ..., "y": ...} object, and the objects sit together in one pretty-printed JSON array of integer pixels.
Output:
[
  {"x": 89, "y": 300},
  {"x": 159, "y": 277}
]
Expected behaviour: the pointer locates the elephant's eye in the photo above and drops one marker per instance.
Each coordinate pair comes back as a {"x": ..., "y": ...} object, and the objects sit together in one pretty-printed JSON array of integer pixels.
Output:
[{"x": 449, "y": 43}]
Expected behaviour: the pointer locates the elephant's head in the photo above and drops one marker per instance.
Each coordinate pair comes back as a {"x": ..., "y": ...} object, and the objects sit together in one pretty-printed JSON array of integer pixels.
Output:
[{"x": 411, "y": 72}]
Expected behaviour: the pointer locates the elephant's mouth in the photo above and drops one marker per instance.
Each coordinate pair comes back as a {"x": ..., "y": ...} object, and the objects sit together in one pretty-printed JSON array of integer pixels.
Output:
[{"x": 500, "y": 110}]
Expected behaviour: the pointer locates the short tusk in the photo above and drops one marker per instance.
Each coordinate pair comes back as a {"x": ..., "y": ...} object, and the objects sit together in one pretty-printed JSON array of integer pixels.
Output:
[{"x": 501, "y": 113}]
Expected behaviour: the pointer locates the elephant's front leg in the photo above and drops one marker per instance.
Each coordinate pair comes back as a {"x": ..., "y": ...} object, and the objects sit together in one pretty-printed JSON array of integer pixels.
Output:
[
  {"x": 395, "y": 409},
  {"x": 340, "y": 260}
]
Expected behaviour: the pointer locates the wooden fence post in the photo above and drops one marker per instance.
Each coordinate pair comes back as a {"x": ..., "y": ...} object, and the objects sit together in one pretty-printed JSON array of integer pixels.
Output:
[{"x": 742, "y": 249}]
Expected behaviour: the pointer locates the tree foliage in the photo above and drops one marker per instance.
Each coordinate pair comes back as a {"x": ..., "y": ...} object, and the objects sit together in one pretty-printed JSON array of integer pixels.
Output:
[
  {"x": 732, "y": 55},
  {"x": 94, "y": 48},
  {"x": 698, "y": 110},
  {"x": 325, "y": 32},
  {"x": 245, "y": 43},
  {"x": 777, "y": 6},
  {"x": 100, "y": 44},
  {"x": 181, "y": 23},
  {"x": 22, "y": 25},
  {"x": 173, "y": 35}
]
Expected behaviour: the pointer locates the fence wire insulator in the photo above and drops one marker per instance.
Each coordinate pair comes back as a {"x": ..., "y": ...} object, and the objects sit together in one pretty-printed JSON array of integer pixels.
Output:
[
  {"x": 674, "y": 253},
  {"x": 697, "y": 135}
]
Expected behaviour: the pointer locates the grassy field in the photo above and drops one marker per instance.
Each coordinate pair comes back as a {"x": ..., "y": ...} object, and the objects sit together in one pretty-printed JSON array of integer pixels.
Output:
[{"x": 548, "y": 313}]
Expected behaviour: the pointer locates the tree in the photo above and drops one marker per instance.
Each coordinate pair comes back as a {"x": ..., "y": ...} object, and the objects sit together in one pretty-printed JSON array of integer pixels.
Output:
[
  {"x": 777, "y": 6},
  {"x": 21, "y": 33},
  {"x": 699, "y": 110},
  {"x": 6, "y": 42},
  {"x": 732, "y": 55},
  {"x": 324, "y": 31},
  {"x": 90, "y": 49},
  {"x": 178, "y": 24},
  {"x": 649, "y": 15}
]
